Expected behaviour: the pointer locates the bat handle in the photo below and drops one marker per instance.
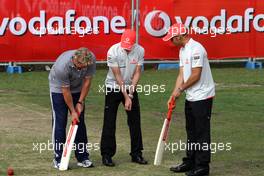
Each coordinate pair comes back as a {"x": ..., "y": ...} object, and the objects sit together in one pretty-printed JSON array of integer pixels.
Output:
[
  {"x": 75, "y": 121},
  {"x": 171, "y": 105},
  {"x": 169, "y": 114}
]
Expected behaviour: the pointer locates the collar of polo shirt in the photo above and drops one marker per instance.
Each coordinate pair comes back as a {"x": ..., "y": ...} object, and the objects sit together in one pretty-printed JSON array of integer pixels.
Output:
[
  {"x": 72, "y": 65},
  {"x": 188, "y": 43}
]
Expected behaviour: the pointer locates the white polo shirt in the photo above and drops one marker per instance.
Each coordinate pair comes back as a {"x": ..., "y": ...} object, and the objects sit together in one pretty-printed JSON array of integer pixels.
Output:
[
  {"x": 118, "y": 57},
  {"x": 193, "y": 55}
]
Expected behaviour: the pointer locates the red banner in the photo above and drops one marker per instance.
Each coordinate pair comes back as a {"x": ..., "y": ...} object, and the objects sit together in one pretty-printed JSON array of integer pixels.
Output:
[{"x": 40, "y": 30}]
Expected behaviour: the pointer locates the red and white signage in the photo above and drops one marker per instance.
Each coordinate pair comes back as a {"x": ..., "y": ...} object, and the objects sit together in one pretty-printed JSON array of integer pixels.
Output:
[{"x": 41, "y": 30}]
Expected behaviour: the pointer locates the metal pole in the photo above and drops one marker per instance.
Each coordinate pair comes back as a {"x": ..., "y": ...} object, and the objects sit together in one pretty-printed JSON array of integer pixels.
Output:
[
  {"x": 132, "y": 14},
  {"x": 137, "y": 20}
]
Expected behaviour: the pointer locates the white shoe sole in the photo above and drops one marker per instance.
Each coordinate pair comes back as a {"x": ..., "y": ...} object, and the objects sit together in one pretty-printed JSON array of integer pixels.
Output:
[{"x": 85, "y": 166}]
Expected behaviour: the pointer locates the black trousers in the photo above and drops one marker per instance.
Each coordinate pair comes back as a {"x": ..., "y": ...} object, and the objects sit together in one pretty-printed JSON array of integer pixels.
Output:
[
  {"x": 198, "y": 115},
  {"x": 108, "y": 139}
]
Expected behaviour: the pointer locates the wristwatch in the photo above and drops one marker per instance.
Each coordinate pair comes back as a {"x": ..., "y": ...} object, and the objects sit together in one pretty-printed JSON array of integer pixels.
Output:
[
  {"x": 180, "y": 90},
  {"x": 80, "y": 102},
  {"x": 131, "y": 96}
]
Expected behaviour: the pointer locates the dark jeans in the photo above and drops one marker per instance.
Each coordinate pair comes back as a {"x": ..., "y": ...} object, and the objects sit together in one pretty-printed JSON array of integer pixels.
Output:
[
  {"x": 59, "y": 123},
  {"x": 108, "y": 139},
  {"x": 198, "y": 115}
]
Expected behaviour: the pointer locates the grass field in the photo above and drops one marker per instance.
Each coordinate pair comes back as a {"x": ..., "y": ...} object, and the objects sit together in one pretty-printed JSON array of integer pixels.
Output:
[{"x": 237, "y": 118}]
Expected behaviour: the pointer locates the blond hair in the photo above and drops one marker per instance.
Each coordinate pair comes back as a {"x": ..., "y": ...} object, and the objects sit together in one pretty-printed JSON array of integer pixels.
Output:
[{"x": 84, "y": 55}]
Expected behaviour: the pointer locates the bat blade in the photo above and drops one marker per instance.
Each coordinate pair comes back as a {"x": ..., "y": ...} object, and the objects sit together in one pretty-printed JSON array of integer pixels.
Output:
[
  {"x": 161, "y": 142},
  {"x": 68, "y": 147}
]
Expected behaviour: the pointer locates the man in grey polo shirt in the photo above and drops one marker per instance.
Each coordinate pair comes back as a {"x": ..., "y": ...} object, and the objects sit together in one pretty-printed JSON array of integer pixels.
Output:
[
  {"x": 124, "y": 60},
  {"x": 69, "y": 80}
]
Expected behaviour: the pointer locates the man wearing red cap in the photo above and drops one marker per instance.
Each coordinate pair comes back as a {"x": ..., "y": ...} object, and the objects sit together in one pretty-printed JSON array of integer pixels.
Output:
[
  {"x": 195, "y": 79},
  {"x": 125, "y": 60}
]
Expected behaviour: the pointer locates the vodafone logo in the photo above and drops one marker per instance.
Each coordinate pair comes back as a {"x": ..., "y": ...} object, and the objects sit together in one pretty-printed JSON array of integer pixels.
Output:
[
  {"x": 127, "y": 40},
  {"x": 60, "y": 25},
  {"x": 157, "y": 23}
]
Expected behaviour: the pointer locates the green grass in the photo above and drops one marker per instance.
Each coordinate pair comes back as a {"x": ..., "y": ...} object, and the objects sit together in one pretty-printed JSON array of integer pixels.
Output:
[{"x": 237, "y": 118}]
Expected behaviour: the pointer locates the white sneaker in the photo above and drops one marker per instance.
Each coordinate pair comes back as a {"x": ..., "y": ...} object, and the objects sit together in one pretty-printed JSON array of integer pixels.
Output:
[
  {"x": 56, "y": 164},
  {"x": 86, "y": 163}
]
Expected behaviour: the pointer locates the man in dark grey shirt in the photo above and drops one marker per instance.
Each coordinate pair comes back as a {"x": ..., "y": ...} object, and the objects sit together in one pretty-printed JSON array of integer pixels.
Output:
[{"x": 69, "y": 80}]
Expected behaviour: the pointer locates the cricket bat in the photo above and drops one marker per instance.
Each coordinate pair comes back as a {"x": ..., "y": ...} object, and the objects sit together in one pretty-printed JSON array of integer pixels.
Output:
[
  {"x": 68, "y": 146},
  {"x": 163, "y": 135}
]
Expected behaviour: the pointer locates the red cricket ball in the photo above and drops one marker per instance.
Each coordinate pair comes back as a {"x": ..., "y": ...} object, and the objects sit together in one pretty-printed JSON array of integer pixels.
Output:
[{"x": 10, "y": 171}]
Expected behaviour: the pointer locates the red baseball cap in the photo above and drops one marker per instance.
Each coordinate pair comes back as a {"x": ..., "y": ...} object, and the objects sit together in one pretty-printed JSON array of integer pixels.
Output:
[
  {"x": 128, "y": 39},
  {"x": 175, "y": 30}
]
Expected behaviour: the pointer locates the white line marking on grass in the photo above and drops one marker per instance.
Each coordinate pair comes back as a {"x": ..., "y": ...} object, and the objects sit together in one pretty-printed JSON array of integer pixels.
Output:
[{"x": 28, "y": 109}]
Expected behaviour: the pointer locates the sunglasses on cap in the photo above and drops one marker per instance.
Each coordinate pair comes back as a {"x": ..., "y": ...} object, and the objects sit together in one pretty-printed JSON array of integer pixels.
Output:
[{"x": 87, "y": 59}]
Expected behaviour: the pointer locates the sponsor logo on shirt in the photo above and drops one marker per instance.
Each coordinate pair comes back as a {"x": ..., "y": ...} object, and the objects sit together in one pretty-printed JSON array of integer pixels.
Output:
[
  {"x": 127, "y": 40},
  {"x": 196, "y": 56},
  {"x": 187, "y": 61},
  {"x": 133, "y": 61}
]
